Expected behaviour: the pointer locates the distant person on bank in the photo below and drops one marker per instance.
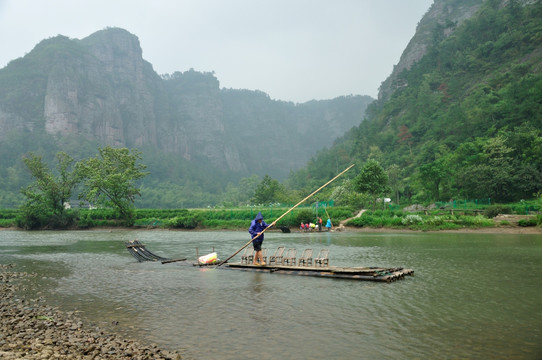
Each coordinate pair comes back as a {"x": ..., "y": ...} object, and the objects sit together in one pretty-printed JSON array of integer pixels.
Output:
[
  {"x": 328, "y": 224},
  {"x": 256, "y": 227}
]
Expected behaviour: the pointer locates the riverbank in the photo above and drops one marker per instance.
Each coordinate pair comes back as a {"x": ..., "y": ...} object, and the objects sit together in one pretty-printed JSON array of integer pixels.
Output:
[
  {"x": 484, "y": 230},
  {"x": 511, "y": 229},
  {"x": 31, "y": 329}
]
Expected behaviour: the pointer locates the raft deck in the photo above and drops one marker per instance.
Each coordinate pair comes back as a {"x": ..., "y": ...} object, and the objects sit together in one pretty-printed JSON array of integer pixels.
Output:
[{"x": 353, "y": 273}]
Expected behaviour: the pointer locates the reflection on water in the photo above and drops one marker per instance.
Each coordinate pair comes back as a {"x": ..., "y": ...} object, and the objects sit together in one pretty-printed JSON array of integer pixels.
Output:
[{"x": 473, "y": 296}]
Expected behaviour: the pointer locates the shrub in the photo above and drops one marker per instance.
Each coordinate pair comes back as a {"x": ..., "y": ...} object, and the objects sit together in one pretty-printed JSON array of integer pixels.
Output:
[
  {"x": 183, "y": 222},
  {"x": 494, "y": 210},
  {"x": 364, "y": 220},
  {"x": 412, "y": 220},
  {"x": 528, "y": 222},
  {"x": 85, "y": 221},
  {"x": 375, "y": 221},
  {"x": 7, "y": 222},
  {"x": 396, "y": 221},
  {"x": 435, "y": 221},
  {"x": 478, "y": 220},
  {"x": 304, "y": 216},
  {"x": 443, "y": 226},
  {"x": 63, "y": 221},
  {"x": 104, "y": 223},
  {"x": 342, "y": 212},
  {"x": 33, "y": 217},
  {"x": 225, "y": 224},
  {"x": 8, "y": 214}
]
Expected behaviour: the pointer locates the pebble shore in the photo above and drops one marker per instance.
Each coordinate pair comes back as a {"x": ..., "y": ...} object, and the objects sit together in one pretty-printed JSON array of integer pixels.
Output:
[{"x": 30, "y": 329}]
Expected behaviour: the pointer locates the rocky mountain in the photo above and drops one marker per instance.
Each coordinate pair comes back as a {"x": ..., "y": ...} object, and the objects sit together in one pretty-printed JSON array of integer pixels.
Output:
[
  {"x": 440, "y": 21},
  {"x": 461, "y": 120},
  {"x": 100, "y": 90}
]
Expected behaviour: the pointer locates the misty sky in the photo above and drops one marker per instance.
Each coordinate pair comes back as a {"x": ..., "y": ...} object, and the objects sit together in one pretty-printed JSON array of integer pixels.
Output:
[{"x": 294, "y": 50}]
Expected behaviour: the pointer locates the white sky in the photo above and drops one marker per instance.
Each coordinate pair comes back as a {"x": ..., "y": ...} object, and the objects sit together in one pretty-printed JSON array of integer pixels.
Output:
[{"x": 293, "y": 50}]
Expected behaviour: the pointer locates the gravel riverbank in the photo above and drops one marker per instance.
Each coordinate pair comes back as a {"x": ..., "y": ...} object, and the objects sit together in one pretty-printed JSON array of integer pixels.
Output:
[{"x": 31, "y": 329}]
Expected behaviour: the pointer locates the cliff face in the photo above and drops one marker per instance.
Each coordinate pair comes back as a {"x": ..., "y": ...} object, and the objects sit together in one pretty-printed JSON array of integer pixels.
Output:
[
  {"x": 102, "y": 90},
  {"x": 198, "y": 121}
]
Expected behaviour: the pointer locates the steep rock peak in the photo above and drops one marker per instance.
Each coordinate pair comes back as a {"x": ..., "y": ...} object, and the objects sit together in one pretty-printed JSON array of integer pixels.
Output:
[
  {"x": 114, "y": 43},
  {"x": 192, "y": 80}
]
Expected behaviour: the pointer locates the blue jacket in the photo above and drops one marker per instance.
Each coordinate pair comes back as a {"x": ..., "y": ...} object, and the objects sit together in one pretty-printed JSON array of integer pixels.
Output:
[{"x": 257, "y": 227}]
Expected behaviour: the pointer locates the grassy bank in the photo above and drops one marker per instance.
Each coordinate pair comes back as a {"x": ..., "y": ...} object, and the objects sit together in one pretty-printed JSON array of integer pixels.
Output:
[
  {"x": 423, "y": 218},
  {"x": 419, "y": 221},
  {"x": 234, "y": 218}
]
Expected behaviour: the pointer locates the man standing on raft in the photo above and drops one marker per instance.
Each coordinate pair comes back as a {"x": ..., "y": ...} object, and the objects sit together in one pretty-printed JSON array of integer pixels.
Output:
[{"x": 256, "y": 227}]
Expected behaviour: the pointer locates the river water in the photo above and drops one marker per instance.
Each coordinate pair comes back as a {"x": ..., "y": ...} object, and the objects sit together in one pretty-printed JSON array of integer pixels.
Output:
[{"x": 473, "y": 296}]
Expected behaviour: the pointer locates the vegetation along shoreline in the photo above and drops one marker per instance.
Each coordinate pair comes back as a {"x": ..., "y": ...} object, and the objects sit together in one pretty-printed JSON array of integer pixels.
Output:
[{"x": 515, "y": 217}]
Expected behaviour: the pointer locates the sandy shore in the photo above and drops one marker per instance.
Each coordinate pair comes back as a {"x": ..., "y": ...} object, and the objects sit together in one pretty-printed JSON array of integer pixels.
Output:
[{"x": 31, "y": 329}]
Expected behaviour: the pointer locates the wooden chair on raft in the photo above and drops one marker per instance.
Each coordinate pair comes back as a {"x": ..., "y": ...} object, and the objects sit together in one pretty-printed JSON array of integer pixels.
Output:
[
  {"x": 247, "y": 257},
  {"x": 306, "y": 258},
  {"x": 277, "y": 257},
  {"x": 290, "y": 257},
  {"x": 323, "y": 258}
]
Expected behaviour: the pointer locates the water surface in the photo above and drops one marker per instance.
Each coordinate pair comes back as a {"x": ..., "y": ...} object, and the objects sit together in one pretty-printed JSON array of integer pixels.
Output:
[{"x": 475, "y": 296}]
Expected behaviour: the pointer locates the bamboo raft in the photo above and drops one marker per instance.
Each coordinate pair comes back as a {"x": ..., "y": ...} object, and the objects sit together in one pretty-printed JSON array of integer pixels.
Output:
[
  {"x": 285, "y": 263},
  {"x": 337, "y": 272}
]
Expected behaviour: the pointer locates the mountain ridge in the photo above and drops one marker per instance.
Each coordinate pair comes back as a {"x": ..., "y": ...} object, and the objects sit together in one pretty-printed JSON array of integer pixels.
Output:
[{"x": 101, "y": 91}]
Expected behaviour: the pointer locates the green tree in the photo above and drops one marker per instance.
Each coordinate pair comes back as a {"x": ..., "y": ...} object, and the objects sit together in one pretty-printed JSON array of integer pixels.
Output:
[
  {"x": 372, "y": 180},
  {"x": 269, "y": 190},
  {"x": 405, "y": 137},
  {"x": 491, "y": 173},
  {"x": 48, "y": 194},
  {"x": 394, "y": 176},
  {"x": 247, "y": 188},
  {"x": 110, "y": 180},
  {"x": 432, "y": 174},
  {"x": 345, "y": 194},
  {"x": 435, "y": 159}
]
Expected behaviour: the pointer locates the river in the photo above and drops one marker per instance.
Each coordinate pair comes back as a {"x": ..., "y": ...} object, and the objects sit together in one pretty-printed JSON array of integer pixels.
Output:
[{"x": 473, "y": 296}]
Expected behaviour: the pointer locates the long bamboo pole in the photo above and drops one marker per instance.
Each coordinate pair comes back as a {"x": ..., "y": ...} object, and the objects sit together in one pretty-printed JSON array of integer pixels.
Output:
[{"x": 287, "y": 212}]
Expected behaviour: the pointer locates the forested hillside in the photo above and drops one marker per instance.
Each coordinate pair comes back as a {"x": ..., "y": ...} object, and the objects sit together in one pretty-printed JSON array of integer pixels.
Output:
[
  {"x": 197, "y": 139},
  {"x": 465, "y": 121}
]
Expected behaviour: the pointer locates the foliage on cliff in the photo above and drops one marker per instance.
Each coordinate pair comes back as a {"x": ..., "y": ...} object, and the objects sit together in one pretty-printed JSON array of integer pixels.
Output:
[{"x": 466, "y": 119}]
